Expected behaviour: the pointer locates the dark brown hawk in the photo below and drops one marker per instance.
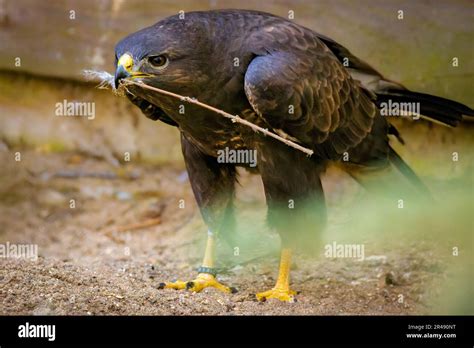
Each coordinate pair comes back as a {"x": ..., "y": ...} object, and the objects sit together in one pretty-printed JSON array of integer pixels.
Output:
[{"x": 281, "y": 76}]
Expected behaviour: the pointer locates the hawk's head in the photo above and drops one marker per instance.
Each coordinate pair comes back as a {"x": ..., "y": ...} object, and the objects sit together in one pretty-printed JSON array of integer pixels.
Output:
[{"x": 174, "y": 54}]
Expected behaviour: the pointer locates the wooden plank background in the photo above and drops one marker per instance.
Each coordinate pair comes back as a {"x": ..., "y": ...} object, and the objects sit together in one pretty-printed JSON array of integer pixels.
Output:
[{"x": 54, "y": 48}]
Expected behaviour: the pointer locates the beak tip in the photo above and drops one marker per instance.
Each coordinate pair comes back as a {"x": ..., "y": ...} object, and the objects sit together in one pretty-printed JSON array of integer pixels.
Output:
[{"x": 120, "y": 74}]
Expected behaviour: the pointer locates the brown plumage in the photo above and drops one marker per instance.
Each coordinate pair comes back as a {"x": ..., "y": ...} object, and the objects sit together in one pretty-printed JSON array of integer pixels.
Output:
[{"x": 287, "y": 78}]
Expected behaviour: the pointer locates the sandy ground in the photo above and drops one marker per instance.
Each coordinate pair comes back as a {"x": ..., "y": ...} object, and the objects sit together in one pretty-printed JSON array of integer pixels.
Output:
[{"x": 91, "y": 263}]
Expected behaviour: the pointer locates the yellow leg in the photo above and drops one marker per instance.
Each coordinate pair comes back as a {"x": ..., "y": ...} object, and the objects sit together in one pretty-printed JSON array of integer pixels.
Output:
[
  {"x": 281, "y": 291},
  {"x": 203, "y": 280}
]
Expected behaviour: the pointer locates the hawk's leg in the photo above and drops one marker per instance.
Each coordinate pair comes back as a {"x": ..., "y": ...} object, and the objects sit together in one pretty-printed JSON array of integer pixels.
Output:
[
  {"x": 213, "y": 187},
  {"x": 281, "y": 291},
  {"x": 206, "y": 277},
  {"x": 296, "y": 208}
]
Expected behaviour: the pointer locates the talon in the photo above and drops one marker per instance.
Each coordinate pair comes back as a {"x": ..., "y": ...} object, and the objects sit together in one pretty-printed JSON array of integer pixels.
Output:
[
  {"x": 281, "y": 291},
  {"x": 202, "y": 281},
  {"x": 285, "y": 295}
]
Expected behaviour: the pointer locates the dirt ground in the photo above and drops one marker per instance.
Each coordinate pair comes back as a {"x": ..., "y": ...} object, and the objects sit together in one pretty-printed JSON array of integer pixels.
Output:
[{"x": 94, "y": 261}]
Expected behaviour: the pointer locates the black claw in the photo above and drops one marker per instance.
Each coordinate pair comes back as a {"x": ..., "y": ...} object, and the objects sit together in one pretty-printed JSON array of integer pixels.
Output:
[
  {"x": 161, "y": 286},
  {"x": 233, "y": 290},
  {"x": 189, "y": 285}
]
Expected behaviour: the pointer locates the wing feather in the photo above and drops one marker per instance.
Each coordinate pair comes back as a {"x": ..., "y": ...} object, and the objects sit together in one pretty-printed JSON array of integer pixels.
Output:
[{"x": 302, "y": 89}]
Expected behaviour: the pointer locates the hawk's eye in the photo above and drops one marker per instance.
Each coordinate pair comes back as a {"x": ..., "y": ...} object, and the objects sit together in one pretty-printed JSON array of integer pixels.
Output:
[{"x": 158, "y": 61}]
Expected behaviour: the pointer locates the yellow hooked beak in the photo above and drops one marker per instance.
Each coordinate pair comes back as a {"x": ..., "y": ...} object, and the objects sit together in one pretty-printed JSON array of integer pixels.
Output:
[
  {"x": 125, "y": 69},
  {"x": 126, "y": 61}
]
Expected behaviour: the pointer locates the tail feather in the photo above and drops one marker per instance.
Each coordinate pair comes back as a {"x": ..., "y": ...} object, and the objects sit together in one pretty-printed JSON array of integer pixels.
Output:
[
  {"x": 434, "y": 108},
  {"x": 405, "y": 169}
]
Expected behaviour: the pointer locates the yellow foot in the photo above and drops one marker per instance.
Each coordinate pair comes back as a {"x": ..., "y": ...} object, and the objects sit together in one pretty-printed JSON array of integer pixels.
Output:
[
  {"x": 286, "y": 295},
  {"x": 202, "y": 281}
]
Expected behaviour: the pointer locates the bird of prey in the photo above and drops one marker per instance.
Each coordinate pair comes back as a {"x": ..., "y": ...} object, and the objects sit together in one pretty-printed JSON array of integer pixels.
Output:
[{"x": 281, "y": 76}]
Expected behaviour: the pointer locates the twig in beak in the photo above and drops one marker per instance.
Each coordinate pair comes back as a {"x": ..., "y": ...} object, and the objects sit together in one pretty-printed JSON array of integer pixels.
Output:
[{"x": 107, "y": 80}]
